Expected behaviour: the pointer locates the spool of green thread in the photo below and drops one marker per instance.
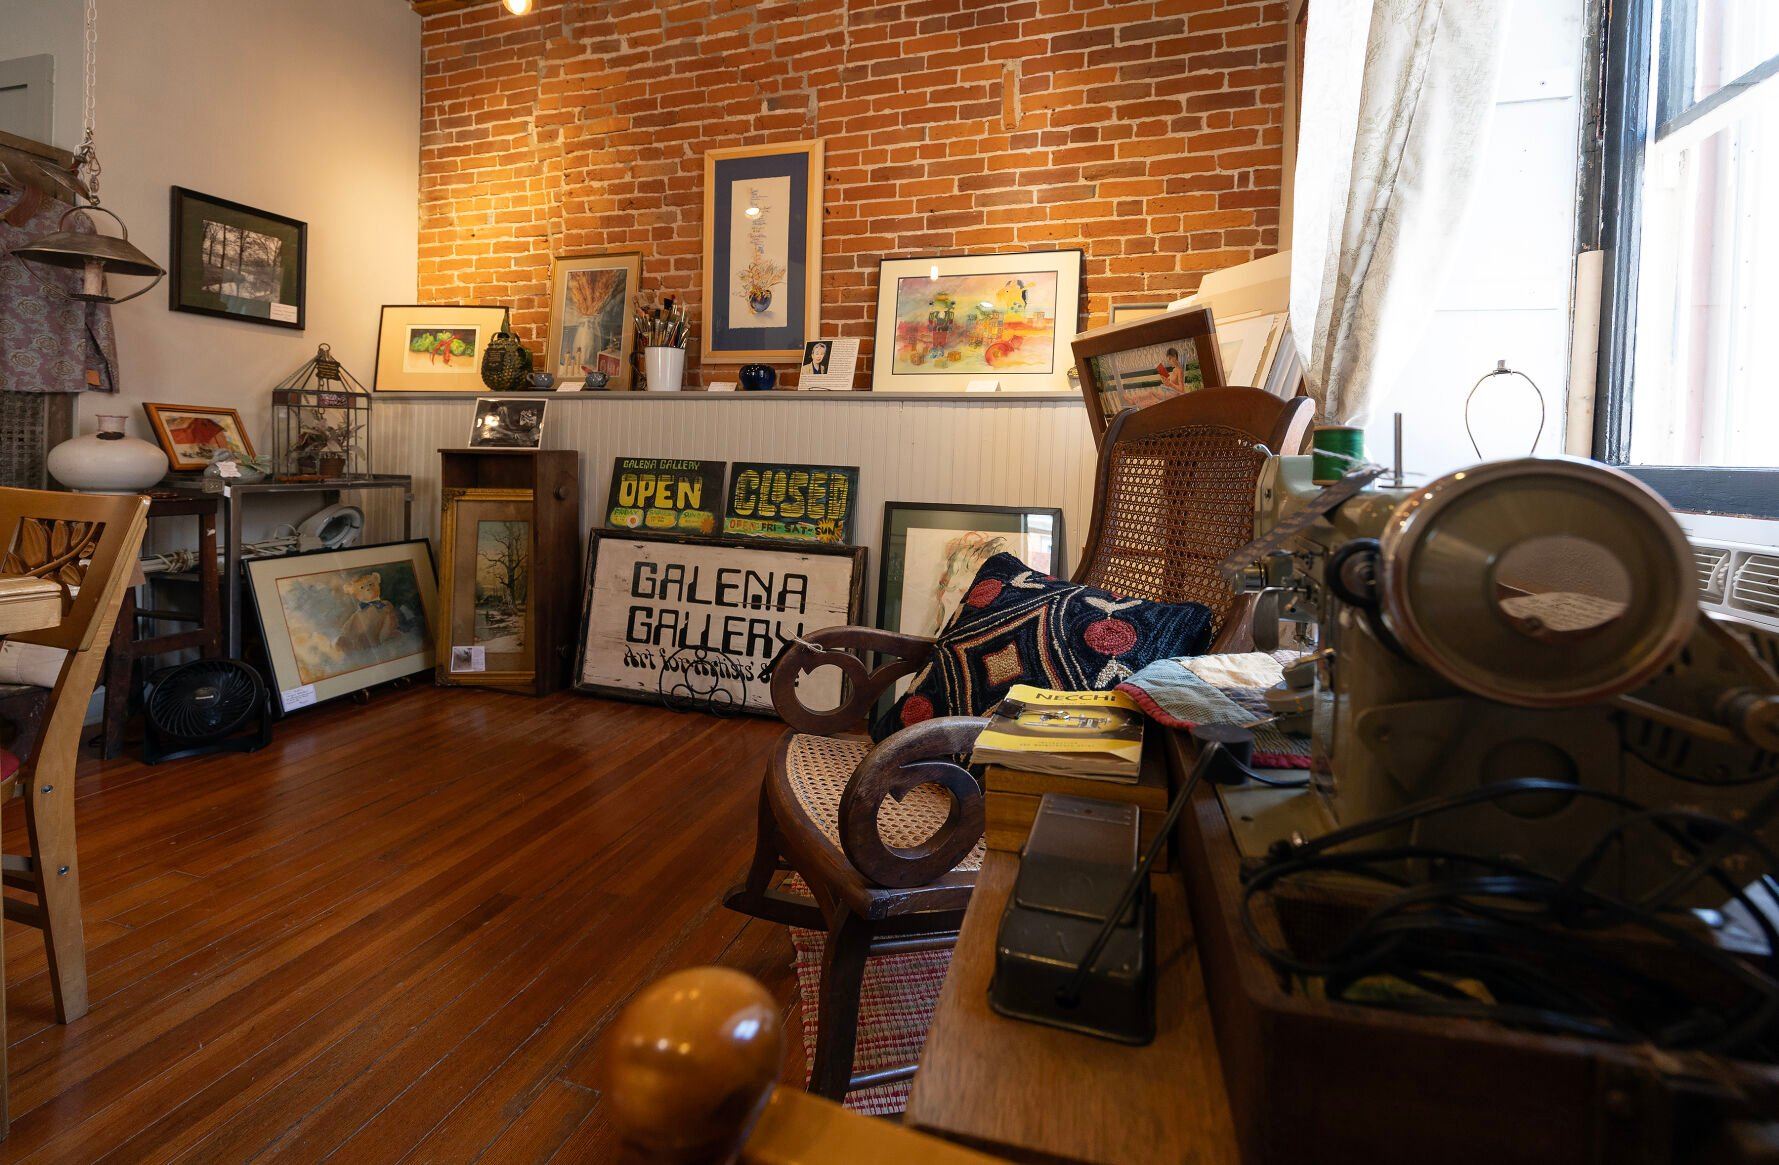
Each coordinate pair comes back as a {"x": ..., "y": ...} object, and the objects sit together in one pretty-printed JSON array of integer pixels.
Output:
[{"x": 1336, "y": 450}]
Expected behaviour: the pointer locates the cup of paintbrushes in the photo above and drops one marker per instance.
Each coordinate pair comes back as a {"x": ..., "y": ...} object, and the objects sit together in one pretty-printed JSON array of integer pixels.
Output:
[{"x": 663, "y": 368}]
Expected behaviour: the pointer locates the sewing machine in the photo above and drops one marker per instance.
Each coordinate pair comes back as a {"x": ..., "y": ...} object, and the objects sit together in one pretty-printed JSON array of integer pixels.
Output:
[{"x": 1526, "y": 618}]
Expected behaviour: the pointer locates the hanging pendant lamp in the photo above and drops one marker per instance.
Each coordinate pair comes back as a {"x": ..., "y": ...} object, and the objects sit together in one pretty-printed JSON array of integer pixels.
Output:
[{"x": 94, "y": 255}]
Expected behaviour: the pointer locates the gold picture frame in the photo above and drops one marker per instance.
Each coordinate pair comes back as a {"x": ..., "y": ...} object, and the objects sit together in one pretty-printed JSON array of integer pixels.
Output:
[
  {"x": 473, "y": 613},
  {"x": 452, "y": 365},
  {"x": 577, "y": 349},
  {"x": 775, "y": 327},
  {"x": 184, "y": 447}
]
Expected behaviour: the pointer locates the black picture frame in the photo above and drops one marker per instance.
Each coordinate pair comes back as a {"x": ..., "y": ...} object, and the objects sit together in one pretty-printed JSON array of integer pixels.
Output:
[
  {"x": 892, "y": 551},
  {"x": 186, "y": 289}
]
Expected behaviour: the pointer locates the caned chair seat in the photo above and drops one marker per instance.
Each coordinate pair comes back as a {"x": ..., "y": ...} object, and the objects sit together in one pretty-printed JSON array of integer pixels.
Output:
[{"x": 816, "y": 770}]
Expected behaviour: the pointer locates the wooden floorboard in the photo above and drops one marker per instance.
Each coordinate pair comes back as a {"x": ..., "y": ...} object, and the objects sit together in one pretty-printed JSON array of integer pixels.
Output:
[{"x": 396, "y": 935}]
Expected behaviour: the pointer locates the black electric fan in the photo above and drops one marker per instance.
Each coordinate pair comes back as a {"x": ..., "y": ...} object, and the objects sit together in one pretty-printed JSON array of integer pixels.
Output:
[{"x": 205, "y": 706}]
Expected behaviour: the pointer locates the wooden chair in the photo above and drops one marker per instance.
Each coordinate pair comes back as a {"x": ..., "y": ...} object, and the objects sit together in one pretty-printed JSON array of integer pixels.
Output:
[
  {"x": 88, "y": 543},
  {"x": 689, "y": 1072},
  {"x": 889, "y": 837}
]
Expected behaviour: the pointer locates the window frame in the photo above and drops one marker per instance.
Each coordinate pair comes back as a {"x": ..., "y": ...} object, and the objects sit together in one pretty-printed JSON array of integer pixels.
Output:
[{"x": 1625, "y": 118}]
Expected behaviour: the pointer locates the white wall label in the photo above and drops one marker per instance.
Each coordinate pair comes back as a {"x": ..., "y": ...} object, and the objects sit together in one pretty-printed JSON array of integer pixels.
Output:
[{"x": 284, "y": 312}]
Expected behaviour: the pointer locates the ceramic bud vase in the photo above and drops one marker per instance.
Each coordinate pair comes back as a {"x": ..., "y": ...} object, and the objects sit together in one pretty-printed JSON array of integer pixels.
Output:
[{"x": 107, "y": 461}]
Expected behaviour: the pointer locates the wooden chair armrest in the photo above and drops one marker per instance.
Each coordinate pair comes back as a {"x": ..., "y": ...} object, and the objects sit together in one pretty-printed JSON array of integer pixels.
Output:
[
  {"x": 836, "y": 647},
  {"x": 917, "y": 755}
]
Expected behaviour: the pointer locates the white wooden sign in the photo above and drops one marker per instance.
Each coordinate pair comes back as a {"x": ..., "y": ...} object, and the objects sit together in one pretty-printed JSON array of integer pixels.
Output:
[{"x": 696, "y": 622}]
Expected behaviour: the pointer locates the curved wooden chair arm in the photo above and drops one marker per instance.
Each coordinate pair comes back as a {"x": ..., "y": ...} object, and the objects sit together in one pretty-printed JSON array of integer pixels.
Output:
[
  {"x": 843, "y": 647},
  {"x": 920, "y": 754}
]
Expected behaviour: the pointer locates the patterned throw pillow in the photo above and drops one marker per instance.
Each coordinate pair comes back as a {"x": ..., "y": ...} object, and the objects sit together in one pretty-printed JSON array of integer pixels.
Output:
[{"x": 1019, "y": 626}]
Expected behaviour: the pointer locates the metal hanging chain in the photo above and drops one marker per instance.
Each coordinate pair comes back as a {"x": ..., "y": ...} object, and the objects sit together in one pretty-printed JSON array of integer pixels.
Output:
[
  {"x": 1501, "y": 369},
  {"x": 86, "y": 159}
]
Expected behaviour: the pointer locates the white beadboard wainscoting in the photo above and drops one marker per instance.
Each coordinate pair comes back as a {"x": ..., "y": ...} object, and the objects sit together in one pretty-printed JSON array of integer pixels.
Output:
[{"x": 1001, "y": 449}]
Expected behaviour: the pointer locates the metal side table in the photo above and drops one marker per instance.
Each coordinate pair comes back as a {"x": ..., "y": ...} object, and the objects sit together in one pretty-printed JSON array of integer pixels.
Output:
[{"x": 234, "y": 497}]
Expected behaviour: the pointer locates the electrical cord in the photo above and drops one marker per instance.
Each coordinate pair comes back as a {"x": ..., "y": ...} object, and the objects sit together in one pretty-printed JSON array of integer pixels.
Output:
[{"x": 1523, "y": 934}]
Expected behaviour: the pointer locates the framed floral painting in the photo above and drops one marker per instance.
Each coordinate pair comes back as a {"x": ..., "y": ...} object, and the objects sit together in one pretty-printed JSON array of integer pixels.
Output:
[
  {"x": 968, "y": 322},
  {"x": 762, "y": 252}
]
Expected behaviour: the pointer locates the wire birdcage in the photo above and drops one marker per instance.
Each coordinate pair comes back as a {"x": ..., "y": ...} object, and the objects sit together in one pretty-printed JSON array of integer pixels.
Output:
[{"x": 321, "y": 423}]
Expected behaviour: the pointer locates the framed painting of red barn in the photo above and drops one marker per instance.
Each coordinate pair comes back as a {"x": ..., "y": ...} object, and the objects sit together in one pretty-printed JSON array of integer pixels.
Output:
[{"x": 193, "y": 435}]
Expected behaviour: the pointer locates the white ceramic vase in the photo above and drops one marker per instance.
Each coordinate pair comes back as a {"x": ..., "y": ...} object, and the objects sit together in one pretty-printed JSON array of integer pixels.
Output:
[{"x": 107, "y": 461}]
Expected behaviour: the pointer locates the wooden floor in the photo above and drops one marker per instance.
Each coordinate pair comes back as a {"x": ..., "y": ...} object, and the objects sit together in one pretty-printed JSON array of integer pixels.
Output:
[{"x": 394, "y": 935}]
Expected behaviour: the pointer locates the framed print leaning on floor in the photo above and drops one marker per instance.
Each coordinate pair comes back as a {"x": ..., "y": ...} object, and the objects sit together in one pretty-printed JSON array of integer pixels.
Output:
[
  {"x": 957, "y": 322},
  {"x": 762, "y": 252},
  {"x": 336, "y": 621}
]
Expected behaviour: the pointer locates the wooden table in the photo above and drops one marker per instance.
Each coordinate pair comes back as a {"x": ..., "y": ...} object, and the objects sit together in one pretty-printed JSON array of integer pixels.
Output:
[
  {"x": 28, "y": 604},
  {"x": 1035, "y": 1093}
]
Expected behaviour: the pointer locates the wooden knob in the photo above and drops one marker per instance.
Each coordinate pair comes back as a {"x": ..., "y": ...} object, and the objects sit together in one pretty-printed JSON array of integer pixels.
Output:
[{"x": 689, "y": 1062}]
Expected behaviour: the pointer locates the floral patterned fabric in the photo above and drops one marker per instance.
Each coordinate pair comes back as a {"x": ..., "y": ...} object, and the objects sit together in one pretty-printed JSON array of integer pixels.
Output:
[
  {"x": 48, "y": 343},
  {"x": 1019, "y": 626}
]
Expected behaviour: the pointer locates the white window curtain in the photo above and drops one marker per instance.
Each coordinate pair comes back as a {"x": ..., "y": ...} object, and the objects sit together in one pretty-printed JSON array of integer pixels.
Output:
[{"x": 1397, "y": 96}]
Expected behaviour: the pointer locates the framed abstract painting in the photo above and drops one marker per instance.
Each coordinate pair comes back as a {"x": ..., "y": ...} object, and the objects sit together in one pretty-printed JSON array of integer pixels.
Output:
[
  {"x": 592, "y": 302},
  {"x": 336, "y": 621},
  {"x": 434, "y": 347},
  {"x": 762, "y": 252},
  {"x": 966, "y": 322}
]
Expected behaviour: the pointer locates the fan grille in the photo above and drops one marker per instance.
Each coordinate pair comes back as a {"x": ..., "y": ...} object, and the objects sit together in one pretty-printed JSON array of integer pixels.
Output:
[{"x": 205, "y": 699}]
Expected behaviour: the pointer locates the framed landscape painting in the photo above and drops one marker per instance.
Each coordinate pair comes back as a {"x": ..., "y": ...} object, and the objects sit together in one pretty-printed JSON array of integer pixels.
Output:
[
  {"x": 762, "y": 252},
  {"x": 237, "y": 262},
  {"x": 336, "y": 621},
  {"x": 592, "y": 303},
  {"x": 434, "y": 347},
  {"x": 192, "y": 435},
  {"x": 948, "y": 324},
  {"x": 485, "y": 582}
]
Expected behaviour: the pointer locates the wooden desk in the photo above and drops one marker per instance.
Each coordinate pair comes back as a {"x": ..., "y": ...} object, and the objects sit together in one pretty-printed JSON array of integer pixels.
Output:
[
  {"x": 1035, "y": 1093},
  {"x": 28, "y": 604}
]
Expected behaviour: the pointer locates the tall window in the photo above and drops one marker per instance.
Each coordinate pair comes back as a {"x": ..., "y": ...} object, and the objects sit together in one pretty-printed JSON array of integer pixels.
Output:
[{"x": 1691, "y": 392}]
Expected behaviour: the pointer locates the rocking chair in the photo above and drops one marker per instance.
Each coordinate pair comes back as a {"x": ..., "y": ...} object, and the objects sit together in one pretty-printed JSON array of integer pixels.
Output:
[{"x": 888, "y": 837}]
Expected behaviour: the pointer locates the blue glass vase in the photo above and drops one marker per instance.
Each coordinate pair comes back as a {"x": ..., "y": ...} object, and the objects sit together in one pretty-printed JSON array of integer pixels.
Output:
[{"x": 757, "y": 377}]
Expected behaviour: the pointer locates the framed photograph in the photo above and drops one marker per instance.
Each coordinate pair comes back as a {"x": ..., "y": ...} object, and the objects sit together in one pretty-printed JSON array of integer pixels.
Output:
[
  {"x": 505, "y": 422},
  {"x": 434, "y": 347},
  {"x": 649, "y": 633},
  {"x": 486, "y": 613},
  {"x": 592, "y": 305},
  {"x": 947, "y": 322},
  {"x": 762, "y": 252},
  {"x": 666, "y": 493},
  {"x": 1126, "y": 366},
  {"x": 336, "y": 621},
  {"x": 193, "y": 434},
  {"x": 237, "y": 261},
  {"x": 931, "y": 554},
  {"x": 811, "y": 503}
]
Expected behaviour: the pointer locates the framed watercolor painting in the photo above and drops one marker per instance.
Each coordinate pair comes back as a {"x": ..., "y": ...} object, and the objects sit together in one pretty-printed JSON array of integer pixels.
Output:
[
  {"x": 762, "y": 252},
  {"x": 485, "y": 582},
  {"x": 434, "y": 347},
  {"x": 592, "y": 306},
  {"x": 237, "y": 262},
  {"x": 931, "y": 554},
  {"x": 192, "y": 435},
  {"x": 336, "y": 621},
  {"x": 943, "y": 323},
  {"x": 1131, "y": 366}
]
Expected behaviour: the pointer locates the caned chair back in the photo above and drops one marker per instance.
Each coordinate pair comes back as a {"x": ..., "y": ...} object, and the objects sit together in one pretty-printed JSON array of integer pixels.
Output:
[{"x": 1175, "y": 493}]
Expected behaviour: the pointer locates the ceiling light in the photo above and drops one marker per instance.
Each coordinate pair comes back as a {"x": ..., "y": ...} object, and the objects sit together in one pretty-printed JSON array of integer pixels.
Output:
[{"x": 518, "y": 7}]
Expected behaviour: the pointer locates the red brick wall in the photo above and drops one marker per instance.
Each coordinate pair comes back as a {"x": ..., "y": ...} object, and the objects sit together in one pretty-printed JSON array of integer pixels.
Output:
[{"x": 1145, "y": 132}]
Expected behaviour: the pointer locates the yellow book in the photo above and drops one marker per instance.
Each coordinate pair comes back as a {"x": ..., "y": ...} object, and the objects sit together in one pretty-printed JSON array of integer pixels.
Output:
[{"x": 1094, "y": 735}]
